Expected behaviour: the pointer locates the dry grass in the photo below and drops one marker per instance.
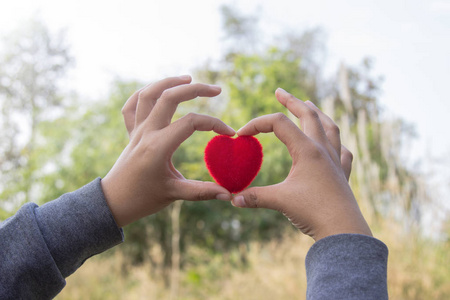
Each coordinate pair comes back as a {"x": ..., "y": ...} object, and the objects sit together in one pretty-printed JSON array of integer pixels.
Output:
[
  {"x": 275, "y": 271},
  {"x": 418, "y": 269}
]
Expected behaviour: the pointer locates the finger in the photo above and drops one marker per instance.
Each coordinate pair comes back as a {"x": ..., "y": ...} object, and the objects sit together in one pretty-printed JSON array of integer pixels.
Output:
[
  {"x": 346, "y": 161},
  {"x": 194, "y": 190},
  {"x": 151, "y": 93},
  {"x": 258, "y": 197},
  {"x": 180, "y": 130},
  {"x": 129, "y": 111},
  {"x": 165, "y": 107},
  {"x": 331, "y": 129},
  {"x": 309, "y": 119},
  {"x": 285, "y": 130}
]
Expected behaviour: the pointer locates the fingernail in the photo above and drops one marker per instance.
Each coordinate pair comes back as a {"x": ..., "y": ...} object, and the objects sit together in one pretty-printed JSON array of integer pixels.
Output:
[
  {"x": 240, "y": 130},
  {"x": 282, "y": 91},
  {"x": 231, "y": 130},
  {"x": 223, "y": 197},
  {"x": 239, "y": 201},
  {"x": 185, "y": 77},
  {"x": 215, "y": 87}
]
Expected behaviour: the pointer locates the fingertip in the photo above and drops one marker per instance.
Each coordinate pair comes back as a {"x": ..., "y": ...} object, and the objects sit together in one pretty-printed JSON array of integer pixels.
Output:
[
  {"x": 241, "y": 131},
  {"x": 281, "y": 91},
  {"x": 224, "y": 129},
  {"x": 244, "y": 132},
  {"x": 249, "y": 128},
  {"x": 281, "y": 96},
  {"x": 239, "y": 201},
  {"x": 223, "y": 197},
  {"x": 231, "y": 131},
  {"x": 218, "y": 188},
  {"x": 195, "y": 190},
  {"x": 215, "y": 88},
  {"x": 238, "y": 132},
  {"x": 186, "y": 77}
]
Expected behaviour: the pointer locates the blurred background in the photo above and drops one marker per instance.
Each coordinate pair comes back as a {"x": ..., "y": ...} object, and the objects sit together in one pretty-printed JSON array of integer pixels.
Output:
[{"x": 379, "y": 68}]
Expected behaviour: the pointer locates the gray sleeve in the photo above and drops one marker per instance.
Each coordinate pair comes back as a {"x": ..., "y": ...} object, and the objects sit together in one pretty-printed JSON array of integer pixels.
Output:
[
  {"x": 347, "y": 266},
  {"x": 40, "y": 246}
]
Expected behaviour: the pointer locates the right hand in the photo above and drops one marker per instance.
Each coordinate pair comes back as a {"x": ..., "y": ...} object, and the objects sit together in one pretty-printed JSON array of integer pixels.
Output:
[
  {"x": 315, "y": 196},
  {"x": 143, "y": 180}
]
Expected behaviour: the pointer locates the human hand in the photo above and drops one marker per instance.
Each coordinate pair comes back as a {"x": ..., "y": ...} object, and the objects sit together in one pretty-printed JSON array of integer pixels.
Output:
[
  {"x": 315, "y": 196},
  {"x": 143, "y": 180}
]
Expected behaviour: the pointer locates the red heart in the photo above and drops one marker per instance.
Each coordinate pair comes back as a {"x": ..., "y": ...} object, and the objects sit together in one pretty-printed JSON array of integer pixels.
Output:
[{"x": 233, "y": 163}]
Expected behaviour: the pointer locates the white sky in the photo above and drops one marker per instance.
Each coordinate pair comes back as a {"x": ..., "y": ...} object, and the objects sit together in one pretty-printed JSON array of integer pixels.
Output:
[{"x": 147, "y": 40}]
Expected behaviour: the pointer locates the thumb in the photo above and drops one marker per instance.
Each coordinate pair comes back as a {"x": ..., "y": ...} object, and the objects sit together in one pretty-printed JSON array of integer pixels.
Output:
[
  {"x": 193, "y": 190},
  {"x": 258, "y": 197}
]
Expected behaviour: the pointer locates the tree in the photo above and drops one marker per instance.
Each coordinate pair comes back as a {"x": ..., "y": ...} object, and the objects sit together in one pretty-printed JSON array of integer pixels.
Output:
[
  {"x": 34, "y": 62},
  {"x": 382, "y": 180}
]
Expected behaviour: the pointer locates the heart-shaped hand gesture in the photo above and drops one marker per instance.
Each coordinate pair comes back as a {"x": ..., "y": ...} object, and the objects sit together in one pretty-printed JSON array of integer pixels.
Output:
[
  {"x": 315, "y": 196},
  {"x": 144, "y": 180}
]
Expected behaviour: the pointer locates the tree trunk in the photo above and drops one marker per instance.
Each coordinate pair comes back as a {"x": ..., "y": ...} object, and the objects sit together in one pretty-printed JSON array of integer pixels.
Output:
[{"x": 175, "y": 271}]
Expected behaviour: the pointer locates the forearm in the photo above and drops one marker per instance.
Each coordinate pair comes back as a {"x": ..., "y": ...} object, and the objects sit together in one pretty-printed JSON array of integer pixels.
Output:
[
  {"x": 347, "y": 266},
  {"x": 40, "y": 246}
]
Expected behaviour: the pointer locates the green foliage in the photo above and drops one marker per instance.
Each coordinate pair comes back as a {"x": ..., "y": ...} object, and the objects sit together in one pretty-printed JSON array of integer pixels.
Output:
[
  {"x": 83, "y": 146},
  {"x": 31, "y": 69}
]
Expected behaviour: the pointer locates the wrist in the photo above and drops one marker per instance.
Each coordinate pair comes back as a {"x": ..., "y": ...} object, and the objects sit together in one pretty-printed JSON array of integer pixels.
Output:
[
  {"x": 111, "y": 200},
  {"x": 349, "y": 221},
  {"x": 362, "y": 229}
]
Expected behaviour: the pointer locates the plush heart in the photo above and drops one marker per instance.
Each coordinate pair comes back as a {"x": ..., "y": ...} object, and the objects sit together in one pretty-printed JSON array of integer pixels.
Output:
[{"x": 233, "y": 163}]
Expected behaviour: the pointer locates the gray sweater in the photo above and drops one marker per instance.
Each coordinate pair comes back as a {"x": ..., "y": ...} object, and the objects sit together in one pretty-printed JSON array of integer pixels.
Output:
[{"x": 40, "y": 246}]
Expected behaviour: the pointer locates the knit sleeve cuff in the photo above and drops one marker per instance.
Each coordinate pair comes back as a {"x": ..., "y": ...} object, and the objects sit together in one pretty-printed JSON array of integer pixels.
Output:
[
  {"x": 77, "y": 226},
  {"x": 347, "y": 266}
]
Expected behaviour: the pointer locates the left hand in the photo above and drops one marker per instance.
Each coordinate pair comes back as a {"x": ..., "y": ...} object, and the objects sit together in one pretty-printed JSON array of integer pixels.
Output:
[{"x": 315, "y": 196}]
